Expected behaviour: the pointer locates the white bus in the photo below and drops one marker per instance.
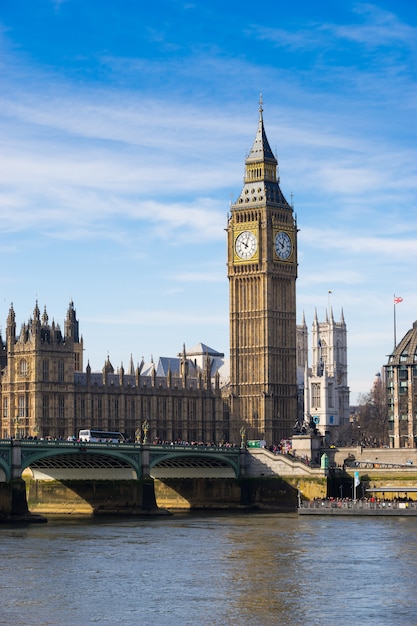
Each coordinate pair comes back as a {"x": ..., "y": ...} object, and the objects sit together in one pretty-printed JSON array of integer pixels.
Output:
[{"x": 94, "y": 435}]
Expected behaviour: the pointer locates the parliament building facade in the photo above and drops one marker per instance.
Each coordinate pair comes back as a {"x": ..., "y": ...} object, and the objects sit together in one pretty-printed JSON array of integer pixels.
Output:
[{"x": 196, "y": 396}]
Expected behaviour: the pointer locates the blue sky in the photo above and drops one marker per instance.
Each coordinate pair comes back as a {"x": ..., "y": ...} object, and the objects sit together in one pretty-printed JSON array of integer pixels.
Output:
[{"x": 124, "y": 128}]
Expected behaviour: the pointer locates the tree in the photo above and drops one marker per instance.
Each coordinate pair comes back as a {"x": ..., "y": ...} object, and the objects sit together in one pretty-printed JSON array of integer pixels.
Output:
[{"x": 372, "y": 416}]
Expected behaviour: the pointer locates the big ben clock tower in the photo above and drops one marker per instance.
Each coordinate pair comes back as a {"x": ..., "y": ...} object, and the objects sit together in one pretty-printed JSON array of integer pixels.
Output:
[{"x": 262, "y": 271}]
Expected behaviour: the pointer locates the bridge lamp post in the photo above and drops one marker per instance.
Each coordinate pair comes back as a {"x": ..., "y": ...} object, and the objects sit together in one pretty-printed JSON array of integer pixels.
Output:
[
  {"x": 145, "y": 428},
  {"x": 243, "y": 437},
  {"x": 138, "y": 433},
  {"x": 36, "y": 430}
]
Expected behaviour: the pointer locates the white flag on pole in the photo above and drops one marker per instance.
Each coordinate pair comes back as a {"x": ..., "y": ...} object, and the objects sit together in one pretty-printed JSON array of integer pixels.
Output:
[{"x": 357, "y": 479}]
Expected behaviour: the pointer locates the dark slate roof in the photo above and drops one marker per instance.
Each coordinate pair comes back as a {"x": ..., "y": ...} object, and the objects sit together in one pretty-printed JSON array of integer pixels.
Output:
[
  {"x": 405, "y": 352},
  {"x": 261, "y": 150},
  {"x": 261, "y": 191}
]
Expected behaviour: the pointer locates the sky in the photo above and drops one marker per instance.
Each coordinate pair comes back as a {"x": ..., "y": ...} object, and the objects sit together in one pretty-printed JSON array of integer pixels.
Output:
[{"x": 124, "y": 128}]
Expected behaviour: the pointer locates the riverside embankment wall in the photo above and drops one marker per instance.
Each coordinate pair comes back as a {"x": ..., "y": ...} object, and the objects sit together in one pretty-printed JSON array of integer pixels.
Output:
[{"x": 268, "y": 480}]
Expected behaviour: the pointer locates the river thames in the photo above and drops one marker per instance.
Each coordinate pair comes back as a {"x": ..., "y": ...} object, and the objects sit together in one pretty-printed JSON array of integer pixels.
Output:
[{"x": 242, "y": 569}]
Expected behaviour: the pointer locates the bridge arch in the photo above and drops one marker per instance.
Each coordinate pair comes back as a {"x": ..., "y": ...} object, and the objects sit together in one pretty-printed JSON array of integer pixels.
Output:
[
  {"x": 82, "y": 462},
  {"x": 189, "y": 463},
  {"x": 5, "y": 470}
]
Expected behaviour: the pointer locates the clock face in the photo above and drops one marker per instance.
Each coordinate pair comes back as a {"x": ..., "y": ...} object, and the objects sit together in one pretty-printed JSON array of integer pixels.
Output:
[
  {"x": 283, "y": 245},
  {"x": 246, "y": 245}
]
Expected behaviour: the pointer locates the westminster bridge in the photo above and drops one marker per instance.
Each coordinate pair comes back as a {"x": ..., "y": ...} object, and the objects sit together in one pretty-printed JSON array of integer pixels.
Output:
[
  {"x": 86, "y": 477},
  {"x": 131, "y": 478},
  {"x": 65, "y": 460}
]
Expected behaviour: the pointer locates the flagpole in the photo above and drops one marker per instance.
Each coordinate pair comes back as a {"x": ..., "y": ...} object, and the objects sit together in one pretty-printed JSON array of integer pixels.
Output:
[{"x": 395, "y": 326}]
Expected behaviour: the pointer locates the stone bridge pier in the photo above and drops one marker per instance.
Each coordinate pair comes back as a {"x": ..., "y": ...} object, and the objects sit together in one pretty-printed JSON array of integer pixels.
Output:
[{"x": 13, "y": 501}]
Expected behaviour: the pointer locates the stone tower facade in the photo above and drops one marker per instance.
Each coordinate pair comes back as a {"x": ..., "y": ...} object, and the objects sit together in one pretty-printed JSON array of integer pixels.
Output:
[
  {"x": 37, "y": 384},
  {"x": 262, "y": 271},
  {"x": 326, "y": 391}
]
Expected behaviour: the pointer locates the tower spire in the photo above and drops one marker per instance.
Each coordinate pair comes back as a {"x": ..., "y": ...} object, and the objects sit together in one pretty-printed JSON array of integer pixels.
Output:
[{"x": 261, "y": 150}]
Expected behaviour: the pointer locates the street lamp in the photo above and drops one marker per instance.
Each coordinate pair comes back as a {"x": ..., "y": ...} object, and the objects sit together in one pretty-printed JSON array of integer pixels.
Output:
[
  {"x": 145, "y": 428},
  {"x": 243, "y": 437},
  {"x": 16, "y": 427}
]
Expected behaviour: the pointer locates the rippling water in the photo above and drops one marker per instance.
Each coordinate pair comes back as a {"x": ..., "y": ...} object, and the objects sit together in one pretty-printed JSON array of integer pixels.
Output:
[{"x": 241, "y": 569}]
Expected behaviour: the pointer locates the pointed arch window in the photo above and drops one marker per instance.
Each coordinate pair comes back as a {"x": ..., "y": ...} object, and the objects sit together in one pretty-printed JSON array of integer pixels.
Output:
[
  {"x": 315, "y": 395},
  {"x": 61, "y": 407},
  {"x": 61, "y": 371},
  {"x": 45, "y": 371},
  {"x": 330, "y": 395},
  {"x": 45, "y": 407},
  {"x": 21, "y": 406},
  {"x": 324, "y": 351}
]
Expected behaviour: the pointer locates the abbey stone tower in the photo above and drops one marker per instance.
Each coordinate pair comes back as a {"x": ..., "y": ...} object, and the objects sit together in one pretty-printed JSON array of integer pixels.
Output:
[
  {"x": 262, "y": 271},
  {"x": 325, "y": 383}
]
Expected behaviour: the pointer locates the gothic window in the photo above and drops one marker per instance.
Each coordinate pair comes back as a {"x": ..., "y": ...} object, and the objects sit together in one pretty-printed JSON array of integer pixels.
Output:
[
  {"x": 330, "y": 395},
  {"x": 61, "y": 407},
  {"x": 45, "y": 371},
  {"x": 6, "y": 407},
  {"x": 61, "y": 371},
  {"x": 21, "y": 406},
  {"x": 315, "y": 395},
  {"x": 324, "y": 351},
  {"x": 191, "y": 410},
  {"x": 45, "y": 406},
  {"x": 23, "y": 367}
]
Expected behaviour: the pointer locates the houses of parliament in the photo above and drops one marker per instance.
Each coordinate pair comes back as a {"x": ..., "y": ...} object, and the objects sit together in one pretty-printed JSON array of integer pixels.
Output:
[{"x": 198, "y": 395}]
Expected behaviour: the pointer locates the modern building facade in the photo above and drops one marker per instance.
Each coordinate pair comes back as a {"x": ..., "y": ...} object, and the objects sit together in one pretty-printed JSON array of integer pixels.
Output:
[{"x": 401, "y": 385}]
